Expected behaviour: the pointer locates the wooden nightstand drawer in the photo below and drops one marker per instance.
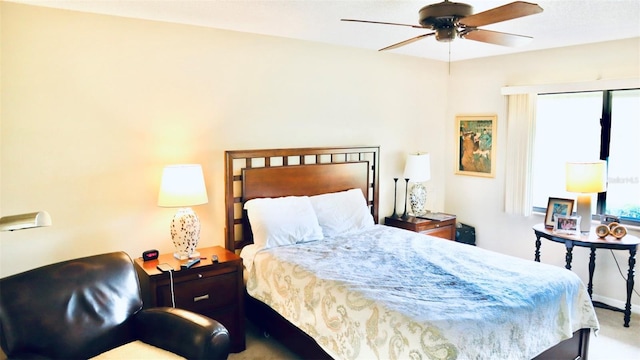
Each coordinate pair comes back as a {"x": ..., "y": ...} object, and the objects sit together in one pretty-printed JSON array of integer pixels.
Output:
[
  {"x": 445, "y": 229},
  {"x": 201, "y": 294}
]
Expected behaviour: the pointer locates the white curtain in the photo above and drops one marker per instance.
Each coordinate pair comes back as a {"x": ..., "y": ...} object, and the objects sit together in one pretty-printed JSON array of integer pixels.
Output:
[{"x": 521, "y": 118}]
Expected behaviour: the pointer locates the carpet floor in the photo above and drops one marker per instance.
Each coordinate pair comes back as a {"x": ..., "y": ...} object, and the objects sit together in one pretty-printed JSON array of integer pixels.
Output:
[{"x": 613, "y": 342}]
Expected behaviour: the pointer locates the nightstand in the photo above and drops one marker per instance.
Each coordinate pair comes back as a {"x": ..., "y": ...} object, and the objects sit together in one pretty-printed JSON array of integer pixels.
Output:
[
  {"x": 212, "y": 289},
  {"x": 445, "y": 229}
]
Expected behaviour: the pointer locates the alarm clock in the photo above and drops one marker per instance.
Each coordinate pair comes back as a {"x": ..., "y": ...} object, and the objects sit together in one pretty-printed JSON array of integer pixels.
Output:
[{"x": 150, "y": 255}]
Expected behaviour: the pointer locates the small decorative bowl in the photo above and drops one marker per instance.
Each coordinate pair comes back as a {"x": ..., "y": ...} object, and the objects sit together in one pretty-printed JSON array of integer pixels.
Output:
[
  {"x": 612, "y": 226},
  {"x": 602, "y": 231},
  {"x": 619, "y": 232}
]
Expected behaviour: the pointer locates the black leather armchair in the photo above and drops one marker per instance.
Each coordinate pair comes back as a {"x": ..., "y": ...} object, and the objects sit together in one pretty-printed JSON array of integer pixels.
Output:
[{"x": 81, "y": 308}]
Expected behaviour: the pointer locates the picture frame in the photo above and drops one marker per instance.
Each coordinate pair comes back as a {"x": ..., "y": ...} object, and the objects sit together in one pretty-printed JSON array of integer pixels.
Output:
[
  {"x": 476, "y": 145},
  {"x": 557, "y": 206},
  {"x": 568, "y": 225}
]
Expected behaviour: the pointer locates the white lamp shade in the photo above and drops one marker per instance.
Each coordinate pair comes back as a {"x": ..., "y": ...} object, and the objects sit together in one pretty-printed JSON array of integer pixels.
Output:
[
  {"x": 182, "y": 186},
  {"x": 586, "y": 177},
  {"x": 418, "y": 167}
]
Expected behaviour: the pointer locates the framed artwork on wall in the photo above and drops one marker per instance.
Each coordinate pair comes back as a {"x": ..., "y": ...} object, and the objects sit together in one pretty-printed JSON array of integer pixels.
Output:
[{"x": 475, "y": 145}]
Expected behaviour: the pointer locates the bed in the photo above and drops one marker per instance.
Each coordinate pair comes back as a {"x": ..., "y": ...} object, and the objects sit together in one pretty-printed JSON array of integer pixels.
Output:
[{"x": 325, "y": 311}]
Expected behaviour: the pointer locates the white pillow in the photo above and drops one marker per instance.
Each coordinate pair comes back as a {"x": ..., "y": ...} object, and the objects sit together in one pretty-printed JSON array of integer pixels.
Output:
[
  {"x": 342, "y": 212},
  {"x": 282, "y": 221}
]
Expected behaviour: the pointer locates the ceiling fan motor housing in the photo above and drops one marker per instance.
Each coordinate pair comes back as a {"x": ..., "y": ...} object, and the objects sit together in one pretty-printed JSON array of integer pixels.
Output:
[{"x": 443, "y": 14}]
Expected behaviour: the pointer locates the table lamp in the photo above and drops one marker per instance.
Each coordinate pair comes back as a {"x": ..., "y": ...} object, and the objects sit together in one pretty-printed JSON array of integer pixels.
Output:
[
  {"x": 586, "y": 178},
  {"x": 418, "y": 169},
  {"x": 25, "y": 221},
  {"x": 183, "y": 186}
]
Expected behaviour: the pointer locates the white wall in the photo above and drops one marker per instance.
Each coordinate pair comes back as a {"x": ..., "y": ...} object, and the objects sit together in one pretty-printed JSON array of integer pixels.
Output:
[
  {"x": 475, "y": 88},
  {"x": 94, "y": 106}
]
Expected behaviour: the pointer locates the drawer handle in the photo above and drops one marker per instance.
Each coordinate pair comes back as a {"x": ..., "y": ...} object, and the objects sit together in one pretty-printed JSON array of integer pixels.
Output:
[
  {"x": 199, "y": 276},
  {"x": 203, "y": 297}
]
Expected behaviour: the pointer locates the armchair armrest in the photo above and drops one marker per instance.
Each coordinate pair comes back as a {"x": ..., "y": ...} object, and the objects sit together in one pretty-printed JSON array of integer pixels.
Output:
[{"x": 183, "y": 332}]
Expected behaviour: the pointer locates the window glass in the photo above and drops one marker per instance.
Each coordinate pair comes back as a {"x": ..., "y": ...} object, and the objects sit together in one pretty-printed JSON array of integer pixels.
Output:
[
  {"x": 623, "y": 192},
  {"x": 567, "y": 129}
]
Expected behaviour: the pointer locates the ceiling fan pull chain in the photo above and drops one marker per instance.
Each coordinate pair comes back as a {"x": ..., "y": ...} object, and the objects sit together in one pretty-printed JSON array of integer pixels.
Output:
[{"x": 449, "y": 58}]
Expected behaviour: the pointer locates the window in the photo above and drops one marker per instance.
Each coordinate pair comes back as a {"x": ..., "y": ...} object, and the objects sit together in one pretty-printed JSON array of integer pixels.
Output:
[{"x": 569, "y": 128}]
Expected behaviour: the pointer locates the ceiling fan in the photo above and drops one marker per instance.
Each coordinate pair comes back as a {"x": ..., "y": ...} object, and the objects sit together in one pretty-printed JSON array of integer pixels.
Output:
[{"x": 449, "y": 20}]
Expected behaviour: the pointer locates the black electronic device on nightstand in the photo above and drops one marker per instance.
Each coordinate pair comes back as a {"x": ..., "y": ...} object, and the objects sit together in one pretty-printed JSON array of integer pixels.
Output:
[
  {"x": 150, "y": 255},
  {"x": 465, "y": 234}
]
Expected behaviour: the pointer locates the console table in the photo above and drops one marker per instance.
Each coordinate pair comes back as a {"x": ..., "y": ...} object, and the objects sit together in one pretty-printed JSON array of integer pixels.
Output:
[{"x": 592, "y": 241}]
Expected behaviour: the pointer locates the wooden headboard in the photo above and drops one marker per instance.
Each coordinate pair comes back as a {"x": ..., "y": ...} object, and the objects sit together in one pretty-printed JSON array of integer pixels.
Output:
[{"x": 253, "y": 174}]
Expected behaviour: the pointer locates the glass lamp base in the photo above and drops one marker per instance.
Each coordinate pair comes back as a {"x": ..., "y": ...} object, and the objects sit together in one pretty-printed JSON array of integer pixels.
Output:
[
  {"x": 193, "y": 255},
  {"x": 185, "y": 234},
  {"x": 418, "y": 199}
]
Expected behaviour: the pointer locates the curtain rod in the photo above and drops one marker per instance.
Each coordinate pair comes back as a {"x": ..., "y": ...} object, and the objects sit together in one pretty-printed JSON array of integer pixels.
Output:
[{"x": 613, "y": 84}]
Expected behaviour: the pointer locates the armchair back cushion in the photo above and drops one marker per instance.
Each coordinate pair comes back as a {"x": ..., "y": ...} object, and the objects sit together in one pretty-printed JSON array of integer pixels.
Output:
[{"x": 73, "y": 309}]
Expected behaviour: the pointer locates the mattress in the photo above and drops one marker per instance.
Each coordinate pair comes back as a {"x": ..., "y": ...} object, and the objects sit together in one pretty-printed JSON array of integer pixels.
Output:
[{"x": 388, "y": 293}]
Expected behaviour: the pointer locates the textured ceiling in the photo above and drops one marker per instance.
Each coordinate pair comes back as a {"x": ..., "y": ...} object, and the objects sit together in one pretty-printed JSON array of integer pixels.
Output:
[{"x": 563, "y": 22}]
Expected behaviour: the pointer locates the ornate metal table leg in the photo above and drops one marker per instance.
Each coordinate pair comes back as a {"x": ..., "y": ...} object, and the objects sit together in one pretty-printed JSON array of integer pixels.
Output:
[
  {"x": 569, "y": 256},
  {"x": 630, "y": 283},
  {"x": 537, "y": 257},
  {"x": 592, "y": 267}
]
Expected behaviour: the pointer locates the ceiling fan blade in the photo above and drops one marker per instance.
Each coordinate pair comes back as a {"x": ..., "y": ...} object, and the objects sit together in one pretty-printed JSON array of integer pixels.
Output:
[
  {"x": 501, "y": 13},
  {"x": 383, "y": 23},
  {"x": 495, "y": 37},
  {"x": 406, "y": 42}
]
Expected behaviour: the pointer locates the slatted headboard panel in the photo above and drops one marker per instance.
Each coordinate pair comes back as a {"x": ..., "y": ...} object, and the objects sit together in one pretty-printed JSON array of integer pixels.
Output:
[{"x": 294, "y": 172}]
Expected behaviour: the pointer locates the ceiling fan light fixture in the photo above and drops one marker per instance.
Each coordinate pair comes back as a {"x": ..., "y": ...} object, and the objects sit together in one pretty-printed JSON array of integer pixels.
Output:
[{"x": 446, "y": 34}]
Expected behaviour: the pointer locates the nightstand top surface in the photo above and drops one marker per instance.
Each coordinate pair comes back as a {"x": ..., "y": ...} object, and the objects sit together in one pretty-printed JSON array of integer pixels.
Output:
[
  {"x": 414, "y": 220},
  {"x": 224, "y": 256}
]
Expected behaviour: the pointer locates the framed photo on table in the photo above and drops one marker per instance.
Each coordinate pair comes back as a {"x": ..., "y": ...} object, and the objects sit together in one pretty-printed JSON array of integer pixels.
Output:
[
  {"x": 569, "y": 225},
  {"x": 555, "y": 207},
  {"x": 475, "y": 145}
]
